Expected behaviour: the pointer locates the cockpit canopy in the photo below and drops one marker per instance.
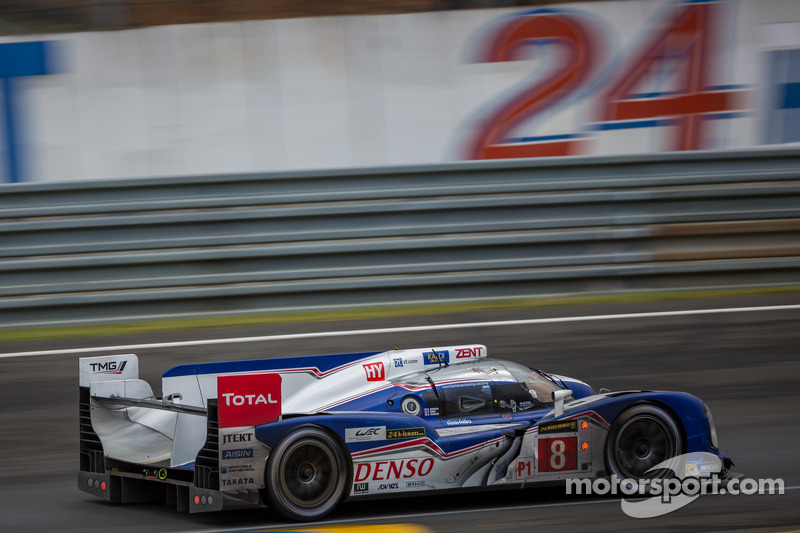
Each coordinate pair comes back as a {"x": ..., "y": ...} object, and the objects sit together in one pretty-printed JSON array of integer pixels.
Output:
[{"x": 483, "y": 388}]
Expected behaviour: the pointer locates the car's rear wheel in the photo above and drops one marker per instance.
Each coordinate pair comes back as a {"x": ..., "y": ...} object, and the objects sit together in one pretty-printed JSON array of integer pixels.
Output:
[
  {"x": 641, "y": 438},
  {"x": 306, "y": 475}
]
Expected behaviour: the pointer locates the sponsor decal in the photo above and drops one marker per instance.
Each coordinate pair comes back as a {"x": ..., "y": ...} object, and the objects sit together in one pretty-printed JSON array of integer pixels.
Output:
[
  {"x": 525, "y": 468},
  {"x": 360, "y": 488},
  {"x": 237, "y": 454},
  {"x": 388, "y": 486},
  {"x": 249, "y": 399},
  {"x": 395, "y": 469},
  {"x": 431, "y": 411},
  {"x": 405, "y": 433},
  {"x": 461, "y": 422},
  {"x": 563, "y": 426},
  {"x": 464, "y": 384},
  {"x": 365, "y": 434},
  {"x": 236, "y": 469},
  {"x": 375, "y": 371},
  {"x": 436, "y": 357},
  {"x": 398, "y": 363},
  {"x": 237, "y": 437},
  {"x": 414, "y": 484},
  {"x": 233, "y": 482},
  {"x": 110, "y": 367},
  {"x": 465, "y": 353}
]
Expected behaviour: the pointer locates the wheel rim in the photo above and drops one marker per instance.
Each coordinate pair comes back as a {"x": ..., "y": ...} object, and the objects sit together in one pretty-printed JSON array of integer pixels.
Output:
[
  {"x": 308, "y": 474},
  {"x": 641, "y": 443}
]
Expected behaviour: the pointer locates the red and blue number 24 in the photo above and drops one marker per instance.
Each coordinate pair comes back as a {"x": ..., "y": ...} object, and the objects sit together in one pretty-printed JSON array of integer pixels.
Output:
[{"x": 679, "y": 47}]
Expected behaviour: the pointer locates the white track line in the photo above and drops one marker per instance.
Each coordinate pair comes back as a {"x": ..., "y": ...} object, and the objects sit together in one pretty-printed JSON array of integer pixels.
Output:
[{"x": 294, "y": 336}]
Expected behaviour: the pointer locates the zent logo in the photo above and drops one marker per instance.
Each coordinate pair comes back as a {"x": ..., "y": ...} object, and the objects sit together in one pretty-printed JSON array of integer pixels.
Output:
[
  {"x": 375, "y": 371},
  {"x": 249, "y": 399},
  {"x": 463, "y": 353}
]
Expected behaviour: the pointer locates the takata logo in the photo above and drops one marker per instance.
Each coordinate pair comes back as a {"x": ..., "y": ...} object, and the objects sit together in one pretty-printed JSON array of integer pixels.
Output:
[
  {"x": 249, "y": 399},
  {"x": 111, "y": 367},
  {"x": 463, "y": 353},
  {"x": 375, "y": 371}
]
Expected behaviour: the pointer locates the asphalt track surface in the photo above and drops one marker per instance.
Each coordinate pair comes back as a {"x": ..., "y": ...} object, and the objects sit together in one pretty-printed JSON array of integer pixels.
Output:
[{"x": 746, "y": 365}]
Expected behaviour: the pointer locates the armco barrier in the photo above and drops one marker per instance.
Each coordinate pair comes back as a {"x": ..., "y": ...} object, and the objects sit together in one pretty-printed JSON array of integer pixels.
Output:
[{"x": 149, "y": 249}]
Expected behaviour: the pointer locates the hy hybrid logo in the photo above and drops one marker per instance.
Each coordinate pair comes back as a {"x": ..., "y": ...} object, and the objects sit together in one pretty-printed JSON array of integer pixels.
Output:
[{"x": 375, "y": 371}]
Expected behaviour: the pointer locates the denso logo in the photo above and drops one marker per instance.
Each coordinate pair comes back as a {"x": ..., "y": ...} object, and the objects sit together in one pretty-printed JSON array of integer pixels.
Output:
[
  {"x": 249, "y": 399},
  {"x": 375, "y": 371},
  {"x": 397, "y": 469},
  {"x": 463, "y": 353},
  {"x": 111, "y": 367}
]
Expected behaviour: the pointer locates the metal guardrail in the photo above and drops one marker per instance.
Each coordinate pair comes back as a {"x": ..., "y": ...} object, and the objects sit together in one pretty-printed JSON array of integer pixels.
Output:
[{"x": 149, "y": 249}]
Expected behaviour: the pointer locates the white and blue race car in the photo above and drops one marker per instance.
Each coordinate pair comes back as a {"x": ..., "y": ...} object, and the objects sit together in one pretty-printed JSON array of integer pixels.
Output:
[{"x": 302, "y": 434}]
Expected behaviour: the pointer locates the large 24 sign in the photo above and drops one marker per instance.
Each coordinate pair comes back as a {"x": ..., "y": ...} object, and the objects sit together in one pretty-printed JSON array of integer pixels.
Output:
[{"x": 679, "y": 55}]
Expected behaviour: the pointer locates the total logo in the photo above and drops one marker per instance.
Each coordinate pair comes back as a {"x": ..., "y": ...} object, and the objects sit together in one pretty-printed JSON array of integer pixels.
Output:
[{"x": 249, "y": 399}]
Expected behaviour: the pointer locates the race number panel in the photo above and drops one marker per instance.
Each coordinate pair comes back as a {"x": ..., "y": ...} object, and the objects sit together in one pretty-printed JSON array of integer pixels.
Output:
[{"x": 558, "y": 454}]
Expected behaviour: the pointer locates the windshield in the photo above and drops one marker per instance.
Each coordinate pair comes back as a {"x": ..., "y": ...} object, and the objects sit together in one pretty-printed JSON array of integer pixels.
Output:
[{"x": 539, "y": 387}]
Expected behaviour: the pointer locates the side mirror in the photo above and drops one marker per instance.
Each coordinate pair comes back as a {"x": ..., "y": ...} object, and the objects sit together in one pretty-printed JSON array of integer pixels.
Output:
[{"x": 558, "y": 398}]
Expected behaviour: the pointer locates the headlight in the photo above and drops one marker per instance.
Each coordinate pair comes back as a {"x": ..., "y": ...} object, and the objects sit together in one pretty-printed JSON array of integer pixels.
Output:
[{"x": 711, "y": 428}]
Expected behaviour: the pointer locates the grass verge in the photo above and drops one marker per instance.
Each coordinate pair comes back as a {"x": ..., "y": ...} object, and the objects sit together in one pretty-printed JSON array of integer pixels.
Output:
[{"x": 377, "y": 312}]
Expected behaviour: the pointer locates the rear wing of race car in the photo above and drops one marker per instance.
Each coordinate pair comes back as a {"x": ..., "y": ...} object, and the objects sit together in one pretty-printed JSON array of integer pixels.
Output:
[{"x": 133, "y": 445}]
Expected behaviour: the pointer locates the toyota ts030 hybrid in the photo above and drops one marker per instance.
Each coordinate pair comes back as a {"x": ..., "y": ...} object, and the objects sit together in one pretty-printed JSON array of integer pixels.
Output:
[{"x": 301, "y": 434}]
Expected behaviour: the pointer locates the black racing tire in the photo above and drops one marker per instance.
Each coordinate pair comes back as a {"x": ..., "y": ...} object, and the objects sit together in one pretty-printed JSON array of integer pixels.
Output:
[
  {"x": 306, "y": 475},
  {"x": 640, "y": 438}
]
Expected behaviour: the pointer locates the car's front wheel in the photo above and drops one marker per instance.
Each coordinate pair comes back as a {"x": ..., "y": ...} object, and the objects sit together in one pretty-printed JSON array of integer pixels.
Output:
[
  {"x": 641, "y": 438},
  {"x": 306, "y": 475}
]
